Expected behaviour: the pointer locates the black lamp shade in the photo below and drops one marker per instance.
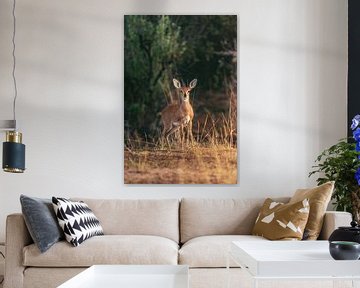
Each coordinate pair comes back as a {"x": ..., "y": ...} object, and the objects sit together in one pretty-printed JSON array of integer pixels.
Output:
[{"x": 13, "y": 157}]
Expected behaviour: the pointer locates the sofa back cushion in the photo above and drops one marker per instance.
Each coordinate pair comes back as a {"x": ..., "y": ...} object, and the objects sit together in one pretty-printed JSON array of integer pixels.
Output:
[
  {"x": 200, "y": 217},
  {"x": 159, "y": 217}
]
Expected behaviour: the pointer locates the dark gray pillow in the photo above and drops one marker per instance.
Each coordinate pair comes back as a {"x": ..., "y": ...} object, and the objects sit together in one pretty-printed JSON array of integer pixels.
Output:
[{"x": 41, "y": 221}]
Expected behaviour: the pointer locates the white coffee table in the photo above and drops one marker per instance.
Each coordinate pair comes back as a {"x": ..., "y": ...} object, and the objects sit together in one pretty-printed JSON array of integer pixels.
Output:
[
  {"x": 296, "y": 260},
  {"x": 131, "y": 276}
]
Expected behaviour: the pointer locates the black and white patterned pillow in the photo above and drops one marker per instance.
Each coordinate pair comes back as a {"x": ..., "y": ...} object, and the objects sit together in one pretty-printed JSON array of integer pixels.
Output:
[{"x": 77, "y": 220}]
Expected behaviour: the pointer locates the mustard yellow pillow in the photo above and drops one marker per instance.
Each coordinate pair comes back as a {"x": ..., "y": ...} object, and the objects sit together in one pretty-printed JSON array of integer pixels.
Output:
[
  {"x": 279, "y": 221},
  {"x": 319, "y": 198}
]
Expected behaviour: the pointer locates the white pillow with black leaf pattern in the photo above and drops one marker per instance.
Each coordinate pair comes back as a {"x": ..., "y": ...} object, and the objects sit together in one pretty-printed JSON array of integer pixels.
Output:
[{"x": 76, "y": 220}]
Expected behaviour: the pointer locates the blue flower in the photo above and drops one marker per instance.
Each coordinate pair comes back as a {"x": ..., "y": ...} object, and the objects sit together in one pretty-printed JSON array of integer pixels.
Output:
[
  {"x": 356, "y": 134},
  {"x": 355, "y": 122},
  {"x": 357, "y": 147},
  {"x": 357, "y": 176}
]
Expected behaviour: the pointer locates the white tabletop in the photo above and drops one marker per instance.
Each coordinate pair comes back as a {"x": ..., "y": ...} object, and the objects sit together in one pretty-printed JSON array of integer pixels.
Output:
[
  {"x": 291, "y": 259},
  {"x": 131, "y": 276}
]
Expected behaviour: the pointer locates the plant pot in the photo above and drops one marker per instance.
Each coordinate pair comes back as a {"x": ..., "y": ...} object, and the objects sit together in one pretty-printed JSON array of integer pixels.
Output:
[{"x": 351, "y": 233}]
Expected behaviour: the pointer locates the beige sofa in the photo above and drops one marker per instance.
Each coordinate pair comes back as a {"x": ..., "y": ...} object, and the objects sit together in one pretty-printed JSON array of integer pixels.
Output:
[{"x": 195, "y": 232}]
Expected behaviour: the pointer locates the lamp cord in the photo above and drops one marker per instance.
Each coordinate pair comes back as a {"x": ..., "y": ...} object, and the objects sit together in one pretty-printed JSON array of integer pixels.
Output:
[{"x": 14, "y": 61}]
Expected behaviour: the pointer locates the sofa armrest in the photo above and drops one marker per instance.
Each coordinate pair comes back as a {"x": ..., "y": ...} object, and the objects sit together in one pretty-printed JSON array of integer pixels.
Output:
[
  {"x": 17, "y": 237},
  {"x": 333, "y": 220}
]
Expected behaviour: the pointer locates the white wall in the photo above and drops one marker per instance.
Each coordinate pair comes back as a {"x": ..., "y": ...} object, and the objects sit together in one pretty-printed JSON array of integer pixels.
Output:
[{"x": 292, "y": 75}]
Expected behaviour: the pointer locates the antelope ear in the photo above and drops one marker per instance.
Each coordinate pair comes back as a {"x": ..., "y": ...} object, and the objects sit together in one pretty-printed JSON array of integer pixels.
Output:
[
  {"x": 177, "y": 84},
  {"x": 193, "y": 83}
]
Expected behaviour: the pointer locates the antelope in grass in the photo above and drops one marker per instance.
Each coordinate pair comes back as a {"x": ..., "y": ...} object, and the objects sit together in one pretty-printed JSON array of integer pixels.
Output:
[{"x": 177, "y": 116}]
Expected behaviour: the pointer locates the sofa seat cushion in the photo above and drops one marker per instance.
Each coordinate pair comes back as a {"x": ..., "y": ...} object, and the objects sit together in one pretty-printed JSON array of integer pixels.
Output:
[
  {"x": 211, "y": 251},
  {"x": 107, "y": 249}
]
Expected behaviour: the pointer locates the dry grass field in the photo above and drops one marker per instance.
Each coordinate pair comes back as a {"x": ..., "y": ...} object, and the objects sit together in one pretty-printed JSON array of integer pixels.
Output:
[
  {"x": 210, "y": 159},
  {"x": 190, "y": 165}
]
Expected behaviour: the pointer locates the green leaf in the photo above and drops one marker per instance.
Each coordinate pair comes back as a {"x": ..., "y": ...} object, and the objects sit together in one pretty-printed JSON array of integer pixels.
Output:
[{"x": 339, "y": 163}]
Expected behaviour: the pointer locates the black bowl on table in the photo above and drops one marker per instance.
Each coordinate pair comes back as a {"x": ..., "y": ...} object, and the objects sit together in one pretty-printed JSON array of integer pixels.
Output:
[{"x": 344, "y": 250}]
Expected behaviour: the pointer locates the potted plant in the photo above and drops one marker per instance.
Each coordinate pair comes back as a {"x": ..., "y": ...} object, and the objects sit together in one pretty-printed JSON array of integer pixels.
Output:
[{"x": 341, "y": 163}]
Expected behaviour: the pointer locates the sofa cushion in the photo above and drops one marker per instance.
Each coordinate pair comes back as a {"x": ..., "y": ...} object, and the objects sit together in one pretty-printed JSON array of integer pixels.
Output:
[
  {"x": 107, "y": 249},
  {"x": 211, "y": 251},
  {"x": 319, "y": 198},
  {"x": 158, "y": 217},
  {"x": 279, "y": 221},
  {"x": 77, "y": 220},
  {"x": 41, "y": 221},
  {"x": 201, "y": 217}
]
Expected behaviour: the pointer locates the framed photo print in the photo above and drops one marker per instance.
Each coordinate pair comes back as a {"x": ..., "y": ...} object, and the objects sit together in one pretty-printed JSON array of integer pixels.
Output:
[{"x": 180, "y": 99}]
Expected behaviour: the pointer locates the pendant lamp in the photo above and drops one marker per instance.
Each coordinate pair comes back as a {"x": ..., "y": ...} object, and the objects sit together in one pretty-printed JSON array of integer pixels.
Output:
[{"x": 13, "y": 159}]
